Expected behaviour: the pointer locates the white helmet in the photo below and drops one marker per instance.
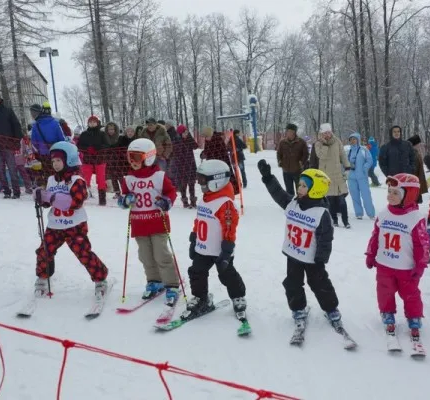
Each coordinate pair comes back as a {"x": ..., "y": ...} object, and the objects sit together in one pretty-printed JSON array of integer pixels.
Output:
[
  {"x": 142, "y": 150},
  {"x": 213, "y": 175}
]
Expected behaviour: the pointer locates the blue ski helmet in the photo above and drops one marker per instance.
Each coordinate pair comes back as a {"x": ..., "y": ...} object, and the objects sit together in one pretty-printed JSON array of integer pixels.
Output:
[{"x": 70, "y": 151}]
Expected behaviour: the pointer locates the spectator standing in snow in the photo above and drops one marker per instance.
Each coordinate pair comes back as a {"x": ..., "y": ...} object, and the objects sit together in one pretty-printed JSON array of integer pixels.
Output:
[
  {"x": 292, "y": 156},
  {"x": 373, "y": 147},
  {"x": 332, "y": 160},
  {"x": 170, "y": 127},
  {"x": 10, "y": 136},
  {"x": 397, "y": 155},
  {"x": 415, "y": 140},
  {"x": 360, "y": 161},
  {"x": 113, "y": 175}
]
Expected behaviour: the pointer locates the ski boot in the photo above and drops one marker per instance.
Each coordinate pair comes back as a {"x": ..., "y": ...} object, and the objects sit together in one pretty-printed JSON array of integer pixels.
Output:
[
  {"x": 198, "y": 306},
  {"x": 414, "y": 326},
  {"x": 102, "y": 197},
  {"x": 239, "y": 307},
  {"x": 335, "y": 318},
  {"x": 389, "y": 321},
  {"x": 41, "y": 287},
  {"x": 172, "y": 296},
  {"x": 152, "y": 288},
  {"x": 193, "y": 202},
  {"x": 185, "y": 202},
  {"x": 101, "y": 288}
]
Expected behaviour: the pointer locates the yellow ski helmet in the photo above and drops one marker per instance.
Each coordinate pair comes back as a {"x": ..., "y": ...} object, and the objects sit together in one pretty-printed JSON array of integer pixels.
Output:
[{"x": 320, "y": 183}]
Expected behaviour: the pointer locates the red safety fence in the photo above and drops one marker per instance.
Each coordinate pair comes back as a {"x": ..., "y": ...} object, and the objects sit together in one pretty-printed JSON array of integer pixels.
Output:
[
  {"x": 110, "y": 164},
  {"x": 161, "y": 367}
]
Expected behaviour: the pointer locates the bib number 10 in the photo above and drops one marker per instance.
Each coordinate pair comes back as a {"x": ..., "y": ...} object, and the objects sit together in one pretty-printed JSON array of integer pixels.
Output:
[
  {"x": 202, "y": 230},
  {"x": 299, "y": 237}
]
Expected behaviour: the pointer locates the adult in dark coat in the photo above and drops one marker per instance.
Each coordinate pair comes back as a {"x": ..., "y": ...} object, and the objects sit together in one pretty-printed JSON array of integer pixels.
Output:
[
  {"x": 397, "y": 155},
  {"x": 216, "y": 149},
  {"x": 419, "y": 167},
  {"x": 185, "y": 165},
  {"x": 170, "y": 128},
  {"x": 10, "y": 137},
  {"x": 240, "y": 146}
]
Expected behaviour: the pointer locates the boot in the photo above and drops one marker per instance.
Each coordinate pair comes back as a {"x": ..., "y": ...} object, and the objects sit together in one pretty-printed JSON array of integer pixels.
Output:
[
  {"x": 102, "y": 197},
  {"x": 152, "y": 288},
  {"x": 193, "y": 202},
  {"x": 239, "y": 304},
  {"x": 198, "y": 306},
  {"x": 172, "y": 295},
  {"x": 101, "y": 288},
  {"x": 185, "y": 202},
  {"x": 41, "y": 287}
]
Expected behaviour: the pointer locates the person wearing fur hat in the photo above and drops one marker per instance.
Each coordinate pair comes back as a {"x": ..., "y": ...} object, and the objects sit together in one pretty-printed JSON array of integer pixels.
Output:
[
  {"x": 216, "y": 149},
  {"x": 415, "y": 140},
  {"x": 397, "y": 155},
  {"x": 292, "y": 157},
  {"x": 170, "y": 127},
  {"x": 92, "y": 143},
  {"x": 113, "y": 166},
  {"x": 332, "y": 160},
  {"x": 157, "y": 133}
]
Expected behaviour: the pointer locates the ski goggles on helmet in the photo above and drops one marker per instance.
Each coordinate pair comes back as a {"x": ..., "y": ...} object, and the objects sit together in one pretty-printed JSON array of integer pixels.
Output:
[
  {"x": 405, "y": 181},
  {"x": 204, "y": 179},
  {"x": 139, "y": 157}
]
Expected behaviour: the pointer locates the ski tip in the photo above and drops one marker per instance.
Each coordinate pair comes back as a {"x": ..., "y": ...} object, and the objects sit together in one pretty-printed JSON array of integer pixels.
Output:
[
  {"x": 23, "y": 316},
  {"x": 90, "y": 317},
  {"x": 123, "y": 311}
]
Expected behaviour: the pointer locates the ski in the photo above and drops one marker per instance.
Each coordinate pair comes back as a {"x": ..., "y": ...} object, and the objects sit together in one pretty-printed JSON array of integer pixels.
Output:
[
  {"x": 177, "y": 323},
  {"x": 393, "y": 344},
  {"x": 28, "y": 309},
  {"x": 128, "y": 310},
  {"x": 417, "y": 351},
  {"x": 348, "y": 342},
  {"x": 99, "y": 303},
  {"x": 244, "y": 328},
  {"x": 298, "y": 336}
]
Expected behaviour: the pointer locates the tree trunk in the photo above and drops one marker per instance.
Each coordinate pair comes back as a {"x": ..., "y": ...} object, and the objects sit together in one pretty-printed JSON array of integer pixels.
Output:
[
  {"x": 363, "y": 80},
  {"x": 20, "y": 95},
  {"x": 214, "y": 120},
  {"x": 87, "y": 81},
  {"x": 319, "y": 87},
  {"x": 3, "y": 84},
  {"x": 387, "y": 80}
]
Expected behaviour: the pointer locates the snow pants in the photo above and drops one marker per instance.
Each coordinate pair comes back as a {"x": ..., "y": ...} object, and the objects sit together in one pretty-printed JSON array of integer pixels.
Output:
[
  {"x": 359, "y": 189},
  {"x": 77, "y": 240},
  {"x": 100, "y": 170},
  {"x": 157, "y": 259},
  {"x": 390, "y": 281},
  {"x": 338, "y": 204},
  {"x": 318, "y": 281},
  {"x": 228, "y": 276}
]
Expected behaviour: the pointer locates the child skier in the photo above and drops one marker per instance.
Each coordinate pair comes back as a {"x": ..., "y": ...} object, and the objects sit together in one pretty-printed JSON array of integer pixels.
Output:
[
  {"x": 65, "y": 193},
  {"x": 399, "y": 248},
  {"x": 212, "y": 241},
  {"x": 150, "y": 194},
  {"x": 307, "y": 245}
]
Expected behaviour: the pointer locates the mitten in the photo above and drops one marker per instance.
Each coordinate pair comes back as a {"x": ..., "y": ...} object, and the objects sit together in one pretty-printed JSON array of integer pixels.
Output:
[
  {"x": 227, "y": 247},
  {"x": 265, "y": 171},
  {"x": 417, "y": 273},
  {"x": 62, "y": 201},
  {"x": 163, "y": 203},
  {"x": 41, "y": 196},
  {"x": 126, "y": 201},
  {"x": 192, "y": 250},
  {"x": 370, "y": 262}
]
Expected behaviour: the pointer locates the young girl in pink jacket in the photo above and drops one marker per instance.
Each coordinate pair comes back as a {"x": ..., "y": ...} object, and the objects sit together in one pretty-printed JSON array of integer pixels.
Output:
[{"x": 399, "y": 249}]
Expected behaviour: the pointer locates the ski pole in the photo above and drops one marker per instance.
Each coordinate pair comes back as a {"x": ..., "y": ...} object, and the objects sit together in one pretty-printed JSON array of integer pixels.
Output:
[
  {"x": 41, "y": 226},
  {"x": 126, "y": 257},
  {"x": 175, "y": 261}
]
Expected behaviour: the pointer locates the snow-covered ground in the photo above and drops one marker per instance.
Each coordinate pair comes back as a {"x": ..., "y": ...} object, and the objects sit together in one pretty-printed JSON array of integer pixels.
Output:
[{"x": 320, "y": 370}]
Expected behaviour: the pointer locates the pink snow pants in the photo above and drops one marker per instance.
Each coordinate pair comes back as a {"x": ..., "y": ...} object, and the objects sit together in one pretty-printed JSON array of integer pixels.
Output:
[
  {"x": 100, "y": 170},
  {"x": 389, "y": 281}
]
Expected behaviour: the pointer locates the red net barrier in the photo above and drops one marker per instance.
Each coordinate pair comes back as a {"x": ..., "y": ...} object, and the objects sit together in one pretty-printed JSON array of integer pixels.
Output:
[{"x": 161, "y": 367}]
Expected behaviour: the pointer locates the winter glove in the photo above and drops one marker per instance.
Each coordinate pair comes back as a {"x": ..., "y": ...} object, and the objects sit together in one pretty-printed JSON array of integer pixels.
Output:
[
  {"x": 370, "y": 262},
  {"x": 163, "y": 203},
  {"x": 193, "y": 239},
  {"x": 227, "y": 247},
  {"x": 41, "y": 196},
  {"x": 126, "y": 201},
  {"x": 265, "y": 171},
  {"x": 417, "y": 273},
  {"x": 62, "y": 201},
  {"x": 91, "y": 151}
]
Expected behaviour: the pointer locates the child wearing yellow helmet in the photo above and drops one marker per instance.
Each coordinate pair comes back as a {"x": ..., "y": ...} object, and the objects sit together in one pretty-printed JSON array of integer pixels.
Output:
[{"x": 307, "y": 245}]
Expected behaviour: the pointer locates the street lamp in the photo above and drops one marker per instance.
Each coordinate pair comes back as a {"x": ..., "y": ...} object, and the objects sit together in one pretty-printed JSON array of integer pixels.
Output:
[{"x": 51, "y": 53}]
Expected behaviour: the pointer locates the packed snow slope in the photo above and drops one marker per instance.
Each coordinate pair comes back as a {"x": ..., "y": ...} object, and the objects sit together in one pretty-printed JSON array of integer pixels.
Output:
[{"x": 320, "y": 370}]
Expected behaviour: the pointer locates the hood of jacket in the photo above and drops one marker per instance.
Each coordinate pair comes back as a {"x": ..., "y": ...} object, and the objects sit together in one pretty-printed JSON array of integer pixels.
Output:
[
  {"x": 112, "y": 139},
  {"x": 357, "y": 136}
]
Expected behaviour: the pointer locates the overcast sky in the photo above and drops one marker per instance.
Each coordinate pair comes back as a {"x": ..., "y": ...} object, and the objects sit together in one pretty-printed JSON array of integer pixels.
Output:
[{"x": 290, "y": 13}]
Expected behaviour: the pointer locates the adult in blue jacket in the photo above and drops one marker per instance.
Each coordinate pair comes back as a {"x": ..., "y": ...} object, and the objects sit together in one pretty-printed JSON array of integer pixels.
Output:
[
  {"x": 46, "y": 130},
  {"x": 358, "y": 182},
  {"x": 374, "y": 151}
]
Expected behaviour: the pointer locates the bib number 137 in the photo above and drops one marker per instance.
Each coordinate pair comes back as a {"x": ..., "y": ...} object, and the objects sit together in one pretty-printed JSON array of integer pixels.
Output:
[{"x": 299, "y": 237}]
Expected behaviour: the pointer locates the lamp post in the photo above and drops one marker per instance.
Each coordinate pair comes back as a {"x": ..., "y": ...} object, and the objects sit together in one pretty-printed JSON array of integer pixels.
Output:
[{"x": 52, "y": 53}]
